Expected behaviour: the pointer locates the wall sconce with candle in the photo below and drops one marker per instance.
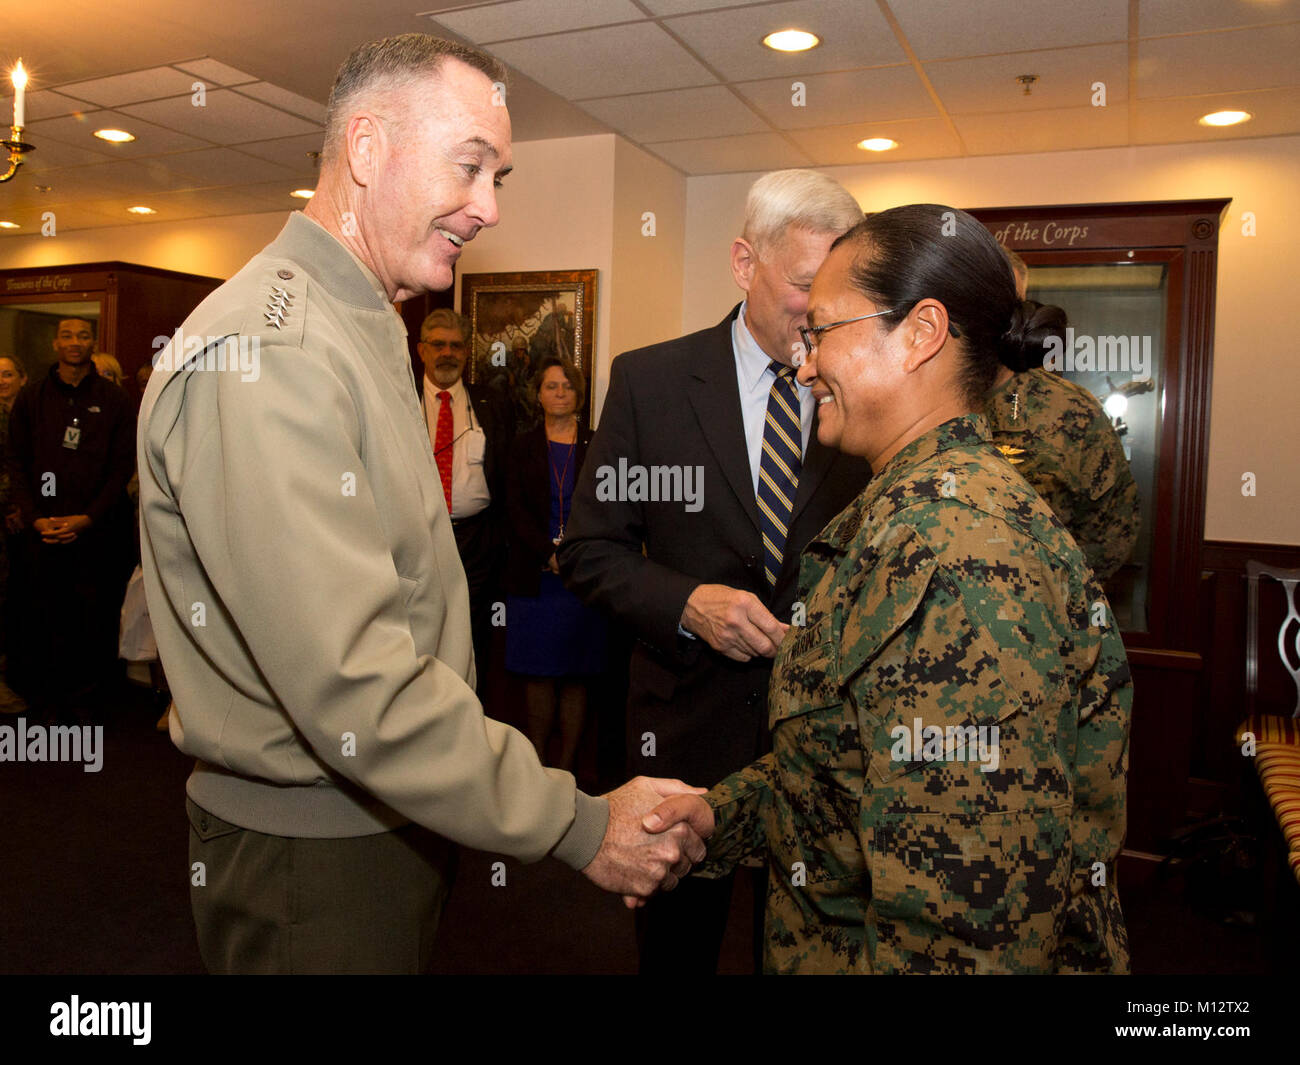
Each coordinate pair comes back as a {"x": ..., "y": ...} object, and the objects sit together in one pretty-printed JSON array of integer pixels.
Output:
[{"x": 16, "y": 145}]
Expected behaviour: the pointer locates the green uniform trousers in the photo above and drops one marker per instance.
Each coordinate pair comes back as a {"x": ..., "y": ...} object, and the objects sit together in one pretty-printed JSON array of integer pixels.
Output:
[{"x": 274, "y": 904}]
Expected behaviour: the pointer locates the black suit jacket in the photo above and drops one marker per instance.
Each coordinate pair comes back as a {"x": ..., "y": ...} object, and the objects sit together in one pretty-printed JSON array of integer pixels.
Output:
[
  {"x": 528, "y": 507},
  {"x": 677, "y": 404}
]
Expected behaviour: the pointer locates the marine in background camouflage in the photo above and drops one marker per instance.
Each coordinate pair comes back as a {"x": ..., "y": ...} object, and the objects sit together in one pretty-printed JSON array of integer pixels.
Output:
[
  {"x": 947, "y": 591},
  {"x": 1060, "y": 440}
]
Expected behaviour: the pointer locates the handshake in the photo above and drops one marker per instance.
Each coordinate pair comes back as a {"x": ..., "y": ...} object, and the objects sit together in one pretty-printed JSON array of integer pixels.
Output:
[{"x": 656, "y": 832}]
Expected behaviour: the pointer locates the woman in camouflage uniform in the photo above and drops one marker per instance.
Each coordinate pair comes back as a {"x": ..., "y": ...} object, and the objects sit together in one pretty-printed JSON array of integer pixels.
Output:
[{"x": 950, "y": 724}]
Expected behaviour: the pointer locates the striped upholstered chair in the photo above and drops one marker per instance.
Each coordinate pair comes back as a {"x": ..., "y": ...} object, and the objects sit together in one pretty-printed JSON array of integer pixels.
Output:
[{"x": 1276, "y": 737}]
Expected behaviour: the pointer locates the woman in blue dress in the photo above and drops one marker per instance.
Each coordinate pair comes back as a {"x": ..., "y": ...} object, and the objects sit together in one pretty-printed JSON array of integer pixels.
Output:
[{"x": 554, "y": 641}]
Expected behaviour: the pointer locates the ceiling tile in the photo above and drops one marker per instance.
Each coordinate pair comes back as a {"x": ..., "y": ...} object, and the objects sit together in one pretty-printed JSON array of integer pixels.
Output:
[
  {"x": 53, "y": 155},
  {"x": 128, "y": 177},
  {"x": 527, "y": 18},
  {"x": 214, "y": 73},
  {"x": 678, "y": 114},
  {"x": 722, "y": 155},
  {"x": 79, "y": 131},
  {"x": 1056, "y": 130},
  {"x": 617, "y": 59},
  {"x": 1189, "y": 16},
  {"x": 226, "y": 166},
  {"x": 879, "y": 94},
  {"x": 290, "y": 152},
  {"x": 1219, "y": 62},
  {"x": 683, "y": 7},
  {"x": 153, "y": 84},
  {"x": 285, "y": 100},
  {"x": 66, "y": 218},
  {"x": 1065, "y": 79},
  {"x": 922, "y": 138},
  {"x": 45, "y": 104},
  {"x": 1276, "y": 111},
  {"x": 937, "y": 30},
  {"x": 227, "y": 118},
  {"x": 853, "y": 34}
]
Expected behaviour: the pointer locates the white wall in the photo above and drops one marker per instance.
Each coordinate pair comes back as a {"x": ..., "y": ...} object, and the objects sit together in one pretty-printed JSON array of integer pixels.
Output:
[
  {"x": 645, "y": 282},
  {"x": 557, "y": 213},
  {"x": 1255, "y": 401}
]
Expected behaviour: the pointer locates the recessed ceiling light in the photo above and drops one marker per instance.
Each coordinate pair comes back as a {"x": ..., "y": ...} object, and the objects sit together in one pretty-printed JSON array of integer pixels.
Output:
[
  {"x": 142, "y": 210},
  {"x": 8, "y": 225},
  {"x": 792, "y": 40},
  {"x": 877, "y": 144},
  {"x": 303, "y": 194},
  {"x": 1225, "y": 118},
  {"x": 117, "y": 136}
]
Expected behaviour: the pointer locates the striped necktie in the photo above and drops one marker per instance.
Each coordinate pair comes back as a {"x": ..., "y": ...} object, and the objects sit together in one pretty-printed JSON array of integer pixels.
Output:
[{"x": 778, "y": 471}]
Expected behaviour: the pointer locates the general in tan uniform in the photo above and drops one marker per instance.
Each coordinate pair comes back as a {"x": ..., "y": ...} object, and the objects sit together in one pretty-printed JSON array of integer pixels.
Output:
[
  {"x": 945, "y": 597},
  {"x": 303, "y": 580}
]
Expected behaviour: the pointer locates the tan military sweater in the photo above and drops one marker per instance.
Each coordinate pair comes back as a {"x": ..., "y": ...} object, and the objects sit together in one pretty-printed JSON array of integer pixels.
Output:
[{"x": 310, "y": 607}]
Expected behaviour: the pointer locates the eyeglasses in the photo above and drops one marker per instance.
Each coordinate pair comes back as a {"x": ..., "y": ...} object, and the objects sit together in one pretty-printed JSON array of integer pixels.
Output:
[{"x": 811, "y": 334}]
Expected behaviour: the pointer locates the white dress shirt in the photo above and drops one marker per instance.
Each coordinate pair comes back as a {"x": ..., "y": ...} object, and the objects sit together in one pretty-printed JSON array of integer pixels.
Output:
[
  {"x": 754, "y": 379},
  {"x": 469, "y": 487}
]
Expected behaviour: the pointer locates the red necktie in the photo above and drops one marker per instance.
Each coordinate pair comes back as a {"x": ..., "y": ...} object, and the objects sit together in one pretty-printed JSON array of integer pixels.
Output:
[{"x": 442, "y": 450}]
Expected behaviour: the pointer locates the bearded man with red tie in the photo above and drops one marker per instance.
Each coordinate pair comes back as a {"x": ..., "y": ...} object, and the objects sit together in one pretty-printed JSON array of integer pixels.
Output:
[{"x": 470, "y": 428}]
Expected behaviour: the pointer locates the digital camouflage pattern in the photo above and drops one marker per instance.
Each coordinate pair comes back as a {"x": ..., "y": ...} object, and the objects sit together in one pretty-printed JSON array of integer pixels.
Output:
[
  {"x": 947, "y": 591},
  {"x": 1060, "y": 440}
]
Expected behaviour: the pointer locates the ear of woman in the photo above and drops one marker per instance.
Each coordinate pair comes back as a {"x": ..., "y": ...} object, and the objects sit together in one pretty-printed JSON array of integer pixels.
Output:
[{"x": 926, "y": 330}]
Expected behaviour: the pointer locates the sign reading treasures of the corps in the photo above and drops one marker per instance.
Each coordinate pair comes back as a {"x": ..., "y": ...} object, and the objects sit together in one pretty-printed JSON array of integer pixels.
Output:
[
  {"x": 1043, "y": 234},
  {"x": 38, "y": 284}
]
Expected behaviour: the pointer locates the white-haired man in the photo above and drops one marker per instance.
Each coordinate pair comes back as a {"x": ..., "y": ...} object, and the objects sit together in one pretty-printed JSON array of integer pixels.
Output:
[
  {"x": 709, "y": 590},
  {"x": 302, "y": 575}
]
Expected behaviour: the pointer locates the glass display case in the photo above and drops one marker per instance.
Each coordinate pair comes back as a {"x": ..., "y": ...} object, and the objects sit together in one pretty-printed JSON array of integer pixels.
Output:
[{"x": 1137, "y": 282}]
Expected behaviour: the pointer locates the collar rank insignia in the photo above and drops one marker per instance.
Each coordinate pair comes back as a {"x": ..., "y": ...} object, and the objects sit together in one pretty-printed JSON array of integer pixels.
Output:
[
  {"x": 1012, "y": 454},
  {"x": 277, "y": 307}
]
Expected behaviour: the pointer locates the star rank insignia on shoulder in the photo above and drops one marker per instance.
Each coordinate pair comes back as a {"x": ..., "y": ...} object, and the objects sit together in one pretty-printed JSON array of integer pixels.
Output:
[
  {"x": 278, "y": 307},
  {"x": 1012, "y": 454}
]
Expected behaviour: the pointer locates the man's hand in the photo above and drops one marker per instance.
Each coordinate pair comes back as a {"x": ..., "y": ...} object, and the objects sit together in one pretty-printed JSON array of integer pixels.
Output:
[
  {"x": 634, "y": 862},
  {"x": 732, "y": 622},
  {"x": 61, "y": 530},
  {"x": 688, "y": 808},
  {"x": 553, "y": 564}
]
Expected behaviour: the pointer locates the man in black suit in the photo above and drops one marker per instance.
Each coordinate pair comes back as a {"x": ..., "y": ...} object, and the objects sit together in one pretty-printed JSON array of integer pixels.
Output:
[
  {"x": 470, "y": 428},
  {"x": 703, "y": 484}
]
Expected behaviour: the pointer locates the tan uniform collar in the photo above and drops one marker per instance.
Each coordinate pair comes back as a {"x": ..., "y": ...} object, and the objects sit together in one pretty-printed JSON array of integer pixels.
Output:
[{"x": 328, "y": 262}]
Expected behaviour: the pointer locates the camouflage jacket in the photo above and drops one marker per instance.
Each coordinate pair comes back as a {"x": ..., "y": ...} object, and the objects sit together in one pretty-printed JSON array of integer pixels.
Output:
[
  {"x": 945, "y": 597},
  {"x": 1060, "y": 440}
]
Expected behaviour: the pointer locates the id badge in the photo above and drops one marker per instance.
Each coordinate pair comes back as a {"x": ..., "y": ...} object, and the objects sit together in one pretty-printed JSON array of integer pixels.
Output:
[
  {"x": 475, "y": 447},
  {"x": 72, "y": 437}
]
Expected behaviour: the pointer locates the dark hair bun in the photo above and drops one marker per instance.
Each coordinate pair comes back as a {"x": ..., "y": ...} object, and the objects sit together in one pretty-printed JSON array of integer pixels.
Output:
[{"x": 1025, "y": 341}]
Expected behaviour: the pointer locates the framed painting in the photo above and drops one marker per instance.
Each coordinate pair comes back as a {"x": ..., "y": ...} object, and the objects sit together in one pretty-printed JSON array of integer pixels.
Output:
[{"x": 519, "y": 319}]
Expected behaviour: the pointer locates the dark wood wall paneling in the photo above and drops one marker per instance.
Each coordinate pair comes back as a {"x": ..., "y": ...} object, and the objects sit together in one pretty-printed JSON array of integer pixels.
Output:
[
  {"x": 1220, "y": 704},
  {"x": 138, "y": 303}
]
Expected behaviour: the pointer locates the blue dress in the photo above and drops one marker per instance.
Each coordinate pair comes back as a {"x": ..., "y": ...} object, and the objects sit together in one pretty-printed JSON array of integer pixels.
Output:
[{"x": 552, "y": 634}]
